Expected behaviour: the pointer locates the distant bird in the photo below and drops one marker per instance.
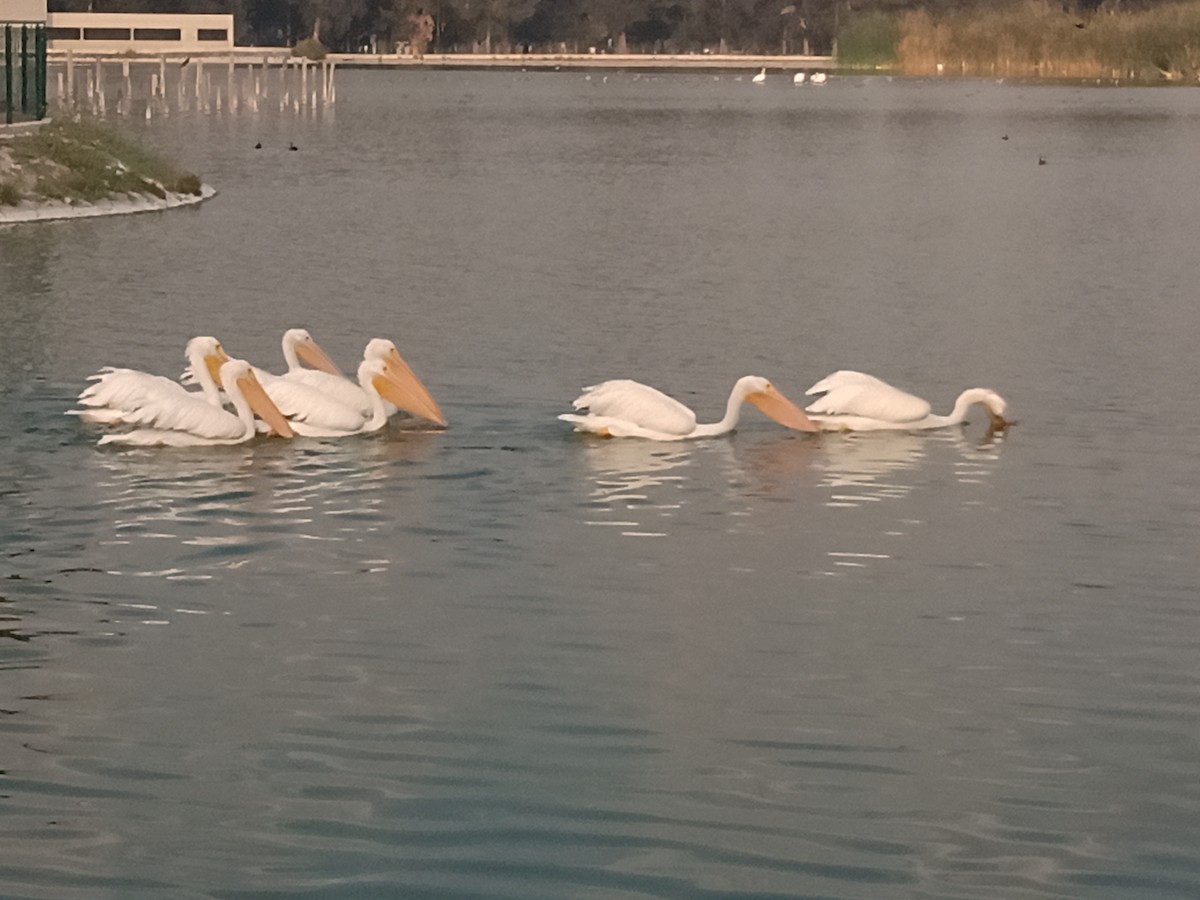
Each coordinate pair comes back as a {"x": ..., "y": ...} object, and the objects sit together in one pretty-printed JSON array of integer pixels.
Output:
[
  {"x": 258, "y": 145},
  {"x": 1004, "y": 137},
  {"x": 818, "y": 78},
  {"x": 185, "y": 62},
  {"x": 1079, "y": 25},
  {"x": 292, "y": 146},
  {"x": 798, "y": 78},
  {"x": 760, "y": 77},
  {"x": 1041, "y": 160}
]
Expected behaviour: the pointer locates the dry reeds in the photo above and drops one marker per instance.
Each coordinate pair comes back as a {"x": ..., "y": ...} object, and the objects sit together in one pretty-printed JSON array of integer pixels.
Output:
[{"x": 1034, "y": 38}]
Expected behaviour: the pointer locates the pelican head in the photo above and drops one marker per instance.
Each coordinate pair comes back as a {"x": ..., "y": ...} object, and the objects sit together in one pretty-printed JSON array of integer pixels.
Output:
[
  {"x": 299, "y": 345},
  {"x": 993, "y": 404},
  {"x": 206, "y": 351},
  {"x": 771, "y": 402},
  {"x": 415, "y": 397},
  {"x": 238, "y": 379}
]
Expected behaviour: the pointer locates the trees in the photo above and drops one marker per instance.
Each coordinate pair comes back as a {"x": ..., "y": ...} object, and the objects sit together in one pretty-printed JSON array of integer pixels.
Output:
[{"x": 765, "y": 26}]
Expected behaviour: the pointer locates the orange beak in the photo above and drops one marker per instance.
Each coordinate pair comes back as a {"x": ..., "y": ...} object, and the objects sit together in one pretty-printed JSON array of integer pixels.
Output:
[
  {"x": 409, "y": 394},
  {"x": 310, "y": 352},
  {"x": 264, "y": 407},
  {"x": 214, "y": 361},
  {"x": 778, "y": 407}
]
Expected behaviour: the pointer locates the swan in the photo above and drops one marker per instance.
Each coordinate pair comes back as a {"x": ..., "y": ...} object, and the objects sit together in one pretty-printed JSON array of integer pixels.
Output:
[
  {"x": 761, "y": 77},
  {"x": 855, "y": 401},
  {"x": 798, "y": 78},
  {"x": 626, "y": 408}
]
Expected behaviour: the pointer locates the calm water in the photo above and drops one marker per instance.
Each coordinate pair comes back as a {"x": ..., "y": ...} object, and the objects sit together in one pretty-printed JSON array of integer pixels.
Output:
[{"x": 510, "y": 661}]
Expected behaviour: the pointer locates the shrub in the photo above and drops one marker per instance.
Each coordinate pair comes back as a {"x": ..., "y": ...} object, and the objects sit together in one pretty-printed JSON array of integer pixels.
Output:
[{"x": 310, "y": 48}]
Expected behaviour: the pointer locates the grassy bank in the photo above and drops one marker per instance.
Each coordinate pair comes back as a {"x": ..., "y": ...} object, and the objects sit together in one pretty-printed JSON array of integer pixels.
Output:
[
  {"x": 84, "y": 161},
  {"x": 1035, "y": 38}
]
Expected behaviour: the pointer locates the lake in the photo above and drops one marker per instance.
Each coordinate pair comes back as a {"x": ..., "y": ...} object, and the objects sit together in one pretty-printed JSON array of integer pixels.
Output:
[{"x": 507, "y": 660}]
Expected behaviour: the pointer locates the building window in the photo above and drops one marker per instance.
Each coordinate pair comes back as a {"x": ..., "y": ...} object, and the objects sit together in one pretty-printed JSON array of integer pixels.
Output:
[
  {"x": 106, "y": 34},
  {"x": 157, "y": 34},
  {"x": 62, "y": 34},
  {"x": 212, "y": 34}
]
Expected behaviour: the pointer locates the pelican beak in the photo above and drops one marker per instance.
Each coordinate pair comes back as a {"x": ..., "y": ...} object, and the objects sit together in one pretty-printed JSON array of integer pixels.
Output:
[
  {"x": 778, "y": 407},
  {"x": 408, "y": 392},
  {"x": 310, "y": 352},
  {"x": 263, "y": 406},
  {"x": 214, "y": 361},
  {"x": 998, "y": 422}
]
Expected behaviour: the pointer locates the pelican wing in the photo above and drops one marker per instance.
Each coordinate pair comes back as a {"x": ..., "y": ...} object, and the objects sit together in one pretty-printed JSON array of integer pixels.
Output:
[
  {"x": 125, "y": 388},
  {"x": 338, "y": 387},
  {"x": 849, "y": 393},
  {"x": 186, "y": 413},
  {"x": 637, "y": 404},
  {"x": 301, "y": 403}
]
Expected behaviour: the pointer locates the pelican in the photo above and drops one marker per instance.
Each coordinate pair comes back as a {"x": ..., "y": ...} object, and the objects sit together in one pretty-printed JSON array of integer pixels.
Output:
[
  {"x": 188, "y": 420},
  {"x": 631, "y": 409},
  {"x": 116, "y": 392},
  {"x": 379, "y": 382},
  {"x": 798, "y": 78},
  {"x": 299, "y": 348},
  {"x": 415, "y": 398},
  {"x": 855, "y": 401},
  {"x": 761, "y": 77},
  {"x": 818, "y": 78}
]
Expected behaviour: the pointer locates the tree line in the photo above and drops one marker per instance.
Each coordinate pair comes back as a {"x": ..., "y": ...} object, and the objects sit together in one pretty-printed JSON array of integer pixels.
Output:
[
  {"x": 664, "y": 26},
  {"x": 668, "y": 26}
]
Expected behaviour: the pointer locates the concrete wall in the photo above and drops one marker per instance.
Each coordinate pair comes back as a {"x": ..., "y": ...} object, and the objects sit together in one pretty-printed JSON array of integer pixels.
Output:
[
  {"x": 143, "y": 32},
  {"x": 22, "y": 10}
]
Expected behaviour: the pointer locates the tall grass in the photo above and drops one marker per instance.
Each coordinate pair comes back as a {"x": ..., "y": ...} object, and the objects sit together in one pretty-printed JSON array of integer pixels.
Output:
[
  {"x": 1037, "y": 38},
  {"x": 86, "y": 160}
]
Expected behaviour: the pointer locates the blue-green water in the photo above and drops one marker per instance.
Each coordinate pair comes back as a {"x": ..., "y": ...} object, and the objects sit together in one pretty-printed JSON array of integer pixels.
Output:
[{"x": 509, "y": 661}]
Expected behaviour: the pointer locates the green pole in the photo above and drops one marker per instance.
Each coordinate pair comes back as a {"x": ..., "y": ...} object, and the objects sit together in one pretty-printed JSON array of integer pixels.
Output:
[
  {"x": 40, "y": 44},
  {"x": 25, "y": 69},
  {"x": 8, "y": 75}
]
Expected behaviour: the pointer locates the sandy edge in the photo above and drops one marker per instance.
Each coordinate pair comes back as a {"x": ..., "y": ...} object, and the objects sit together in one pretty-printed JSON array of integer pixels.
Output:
[{"x": 51, "y": 210}]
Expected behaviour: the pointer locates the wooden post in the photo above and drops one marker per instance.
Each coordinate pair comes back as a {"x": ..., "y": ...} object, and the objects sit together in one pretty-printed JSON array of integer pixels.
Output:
[
  {"x": 71, "y": 77},
  {"x": 126, "y": 89},
  {"x": 162, "y": 75}
]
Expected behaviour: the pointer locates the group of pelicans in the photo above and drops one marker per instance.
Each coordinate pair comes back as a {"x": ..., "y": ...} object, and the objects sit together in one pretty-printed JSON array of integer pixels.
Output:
[
  {"x": 818, "y": 78},
  {"x": 317, "y": 400}
]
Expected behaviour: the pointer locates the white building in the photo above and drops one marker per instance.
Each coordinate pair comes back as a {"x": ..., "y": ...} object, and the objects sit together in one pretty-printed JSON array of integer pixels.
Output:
[
  {"x": 139, "y": 32},
  {"x": 23, "y": 12}
]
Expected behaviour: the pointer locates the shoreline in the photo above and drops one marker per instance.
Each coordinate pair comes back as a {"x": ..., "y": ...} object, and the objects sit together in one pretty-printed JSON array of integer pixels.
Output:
[{"x": 61, "y": 210}]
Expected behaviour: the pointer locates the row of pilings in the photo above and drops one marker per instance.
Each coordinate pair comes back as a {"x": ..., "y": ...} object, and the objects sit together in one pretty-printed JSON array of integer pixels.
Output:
[{"x": 160, "y": 85}]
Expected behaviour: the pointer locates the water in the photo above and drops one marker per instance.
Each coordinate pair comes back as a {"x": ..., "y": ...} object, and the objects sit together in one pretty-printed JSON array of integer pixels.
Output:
[{"x": 511, "y": 661}]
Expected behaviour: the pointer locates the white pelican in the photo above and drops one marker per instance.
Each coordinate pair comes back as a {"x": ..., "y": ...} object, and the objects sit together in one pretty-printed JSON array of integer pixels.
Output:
[
  {"x": 798, "y": 78},
  {"x": 379, "y": 383},
  {"x": 329, "y": 380},
  {"x": 116, "y": 392},
  {"x": 855, "y": 401},
  {"x": 761, "y": 77},
  {"x": 299, "y": 345},
  {"x": 631, "y": 409},
  {"x": 188, "y": 420},
  {"x": 817, "y": 78}
]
